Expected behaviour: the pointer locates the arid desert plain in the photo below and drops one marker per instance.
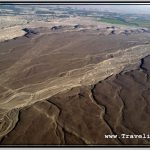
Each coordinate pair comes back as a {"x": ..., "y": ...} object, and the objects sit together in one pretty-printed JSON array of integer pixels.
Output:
[{"x": 72, "y": 76}]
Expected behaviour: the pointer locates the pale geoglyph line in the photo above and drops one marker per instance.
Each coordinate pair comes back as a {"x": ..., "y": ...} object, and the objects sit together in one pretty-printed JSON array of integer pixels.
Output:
[
  {"x": 8, "y": 122},
  {"x": 87, "y": 75},
  {"x": 51, "y": 117},
  {"x": 100, "y": 71},
  {"x": 14, "y": 96}
]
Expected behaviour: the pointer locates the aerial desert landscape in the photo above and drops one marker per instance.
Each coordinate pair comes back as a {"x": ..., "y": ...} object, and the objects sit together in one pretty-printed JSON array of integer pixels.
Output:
[{"x": 71, "y": 75}]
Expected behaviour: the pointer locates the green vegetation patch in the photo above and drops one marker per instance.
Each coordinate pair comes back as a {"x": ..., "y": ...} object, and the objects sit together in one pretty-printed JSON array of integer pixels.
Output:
[
  {"x": 115, "y": 21},
  {"x": 142, "y": 23},
  {"x": 133, "y": 22}
]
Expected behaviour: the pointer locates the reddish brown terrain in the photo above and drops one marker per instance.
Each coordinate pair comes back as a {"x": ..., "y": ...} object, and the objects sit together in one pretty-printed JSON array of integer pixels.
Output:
[
  {"x": 65, "y": 83},
  {"x": 74, "y": 107}
]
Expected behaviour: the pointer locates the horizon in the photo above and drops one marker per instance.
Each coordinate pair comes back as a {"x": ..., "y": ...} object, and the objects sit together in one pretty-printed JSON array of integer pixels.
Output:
[{"x": 124, "y": 9}]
